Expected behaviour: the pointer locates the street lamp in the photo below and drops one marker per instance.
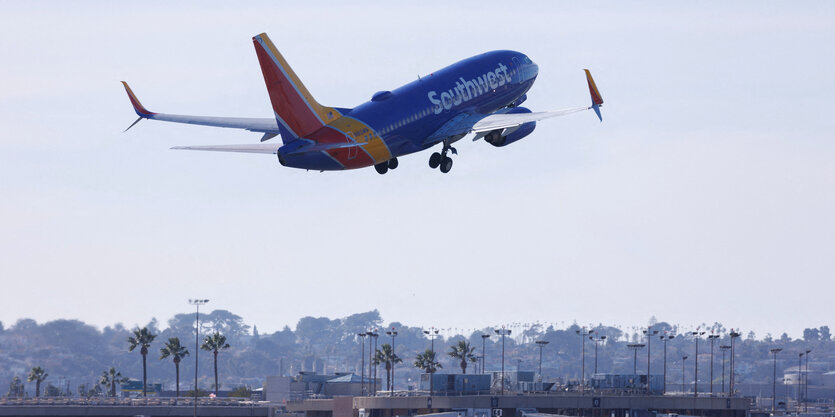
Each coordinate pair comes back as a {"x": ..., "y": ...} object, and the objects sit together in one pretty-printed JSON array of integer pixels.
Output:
[
  {"x": 697, "y": 335},
  {"x": 649, "y": 332},
  {"x": 774, "y": 381},
  {"x": 502, "y": 332},
  {"x": 683, "y": 390},
  {"x": 583, "y": 333},
  {"x": 597, "y": 340},
  {"x": 373, "y": 334},
  {"x": 635, "y": 348},
  {"x": 484, "y": 338},
  {"x": 393, "y": 334},
  {"x": 666, "y": 338},
  {"x": 723, "y": 348},
  {"x": 541, "y": 344},
  {"x": 362, "y": 368},
  {"x": 432, "y": 333},
  {"x": 712, "y": 339},
  {"x": 799, "y": 380},
  {"x": 806, "y": 384},
  {"x": 734, "y": 335},
  {"x": 196, "y": 303}
]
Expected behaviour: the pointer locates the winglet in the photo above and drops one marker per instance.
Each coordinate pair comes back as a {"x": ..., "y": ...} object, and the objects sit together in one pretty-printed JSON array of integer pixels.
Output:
[
  {"x": 137, "y": 106},
  {"x": 596, "y": 98}
]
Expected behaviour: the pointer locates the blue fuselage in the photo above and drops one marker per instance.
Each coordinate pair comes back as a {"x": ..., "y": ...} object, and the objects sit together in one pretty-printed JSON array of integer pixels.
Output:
[{"x": 424, "y": 112}]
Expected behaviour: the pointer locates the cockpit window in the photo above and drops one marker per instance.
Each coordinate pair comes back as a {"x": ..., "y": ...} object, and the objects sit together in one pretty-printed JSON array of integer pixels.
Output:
[{"x": 527, "y": 60}]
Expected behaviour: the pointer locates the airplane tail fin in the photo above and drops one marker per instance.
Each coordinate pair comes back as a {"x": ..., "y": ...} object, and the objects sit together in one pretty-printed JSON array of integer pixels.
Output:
[
  {"x": 298, "y": 114},
  {"x": 596, "y": 98}
]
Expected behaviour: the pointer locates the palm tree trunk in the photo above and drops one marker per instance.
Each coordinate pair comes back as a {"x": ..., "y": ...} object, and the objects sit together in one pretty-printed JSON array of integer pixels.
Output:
[
  {"x": 216, "y": 387},
  {"x": 113, "y": 387},
  {"x": 144, "y": 376},
  {"x": 37, "y": 388},
  {"x": 177, "y": 367}
]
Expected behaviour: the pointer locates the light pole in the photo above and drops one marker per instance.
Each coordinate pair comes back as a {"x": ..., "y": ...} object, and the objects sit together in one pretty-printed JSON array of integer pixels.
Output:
[
  {"x": 362, "y": 367},
  {"x": 541, "y": 344},
  {"x": 373, "y": 334},
  {"x": 649, "y": 332},
  {"x": 583, "y": 333},
  {"x": 723, "y": 348},
  {"x": 502, "y": 332},
  {"x": 697, "y": 335},
  {"x": 774, "y": 381},
  {"x": 196, "y": 303},
  {"x": 432, "y": 333},
  {"x": 635, "y": 348},
  {"x": 393, "y": 334},
  {"x": 733, "y": 335},
  {"x": 799, "y": 379},
  {"x": 597, "y": 340},
  {"x": 666, "y": 338},
  {"x": 806, "y": 384},
  {"x": 484, "y": 338},
  {"x": 712, "y": 339},
  {"x": 683, "y": 390}
]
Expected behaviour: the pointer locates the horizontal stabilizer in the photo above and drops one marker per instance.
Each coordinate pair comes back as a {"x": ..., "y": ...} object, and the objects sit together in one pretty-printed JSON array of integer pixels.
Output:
[{"x": 268, "y": 148}]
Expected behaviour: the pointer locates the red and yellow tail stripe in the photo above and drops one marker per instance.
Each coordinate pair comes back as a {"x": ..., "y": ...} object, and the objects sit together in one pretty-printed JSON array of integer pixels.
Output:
[
  {"x": 294, "y": 106},
  {"x": 596, "y": 98}
]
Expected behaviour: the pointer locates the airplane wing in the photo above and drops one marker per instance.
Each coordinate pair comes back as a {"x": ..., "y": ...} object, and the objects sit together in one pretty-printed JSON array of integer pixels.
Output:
[
  {"x": 506, "y": 121},
  {"x": 268, "y": 126}
]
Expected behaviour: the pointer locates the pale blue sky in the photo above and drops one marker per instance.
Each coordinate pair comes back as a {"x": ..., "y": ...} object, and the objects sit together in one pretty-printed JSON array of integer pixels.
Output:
[{"x": 707, "y": 194}]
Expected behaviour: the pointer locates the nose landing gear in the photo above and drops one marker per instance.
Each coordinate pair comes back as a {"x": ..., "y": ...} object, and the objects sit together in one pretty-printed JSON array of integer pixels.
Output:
[{"x": 439, "y": 159}]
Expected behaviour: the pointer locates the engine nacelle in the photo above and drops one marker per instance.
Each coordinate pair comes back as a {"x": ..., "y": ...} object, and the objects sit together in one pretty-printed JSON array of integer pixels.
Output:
[{"x": 504, "y": 137}]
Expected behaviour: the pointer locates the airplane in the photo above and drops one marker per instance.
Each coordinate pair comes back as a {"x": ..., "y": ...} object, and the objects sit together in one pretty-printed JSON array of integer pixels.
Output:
[{"x": 480, "y": 95}]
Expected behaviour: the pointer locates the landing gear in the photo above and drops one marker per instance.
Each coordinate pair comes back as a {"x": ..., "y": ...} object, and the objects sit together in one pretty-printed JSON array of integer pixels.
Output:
[
  {"x": 382, "y": 168},
  {"x": 446, "y": 164},
  {"x": 439, "y": 159},
  {"x": 393, "y": 163},
  {"x": 435, "y": 160}
]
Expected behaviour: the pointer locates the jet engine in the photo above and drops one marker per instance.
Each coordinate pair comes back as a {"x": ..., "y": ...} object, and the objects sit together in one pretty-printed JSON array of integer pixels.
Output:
[{"x": 503, "y": 137}]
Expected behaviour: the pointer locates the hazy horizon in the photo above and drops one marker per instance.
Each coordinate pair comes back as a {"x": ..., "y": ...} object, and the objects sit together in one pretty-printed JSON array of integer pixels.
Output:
[{"x": 706, "y": 194}]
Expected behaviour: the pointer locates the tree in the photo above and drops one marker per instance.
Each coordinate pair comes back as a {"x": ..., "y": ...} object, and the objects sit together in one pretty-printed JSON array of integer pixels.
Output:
[
  {"x": 214, "y": 343},
  {"x": 241, "y": 392},
  {"x": 110, "y": 378},
  {"x": 177, "y": 351},
  {"x": 426, "y": 362},
  {"x": 16, "y": 388},
  {"x": 464, "y": 352},
  {"x": 38, "y": 375},
  {"x": 142, "y": 338},
  {"x": 811, "y": 335},
  {"x": 825, "y": 335},
  {"x": 385, "y": 355}
]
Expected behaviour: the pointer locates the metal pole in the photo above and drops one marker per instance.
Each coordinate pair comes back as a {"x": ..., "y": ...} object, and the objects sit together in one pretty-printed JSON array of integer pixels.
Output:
[
  {"x": 362, "y": 367},
  {"x": 649, "y": 332},
  {"x": 723, "y": 348},
  {"x": 541, "y": 344},
  {"x": 197, "y": 304},
  {"x": 697, "y": 335},
  {"x": 683, "y": 390},
  {"x": 799, "y": 378},
  {"x": 484, "y": 338},
  {"x": 712, "y": 338},
  {"x": 583, "y": 334},
  {"x": 806, "y": 384},
  {"x": 375, "y": 335},
  {"x": 733, "y": 335},
  {"x": 392, "y": 333},
  {"x": 774, "y": 381}
]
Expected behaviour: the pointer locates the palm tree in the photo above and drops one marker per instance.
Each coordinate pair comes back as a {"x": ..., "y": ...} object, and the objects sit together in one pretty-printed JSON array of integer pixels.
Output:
[
  {"x": 386, "y": 355},
  {"x": 110, "y": 378},
  {"x": 215, "y": 343},
  {"x": 142, "y": 338},
  {"x": 38, "y": 375},
  {"x": 464, "y": 352},
  {"x": 426, "y": 361},
  {"x": 174, "y": 349}
]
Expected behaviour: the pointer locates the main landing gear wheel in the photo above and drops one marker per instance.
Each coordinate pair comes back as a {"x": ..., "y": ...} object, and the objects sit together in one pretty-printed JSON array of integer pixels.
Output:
[
  {"x": 439, "y": 159},
  {"x": 382, "y": 168},
  {"x": 446, "y": 164},
  {"x": 393, "y": 163},
  {"x": 435, "y": 160}
]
